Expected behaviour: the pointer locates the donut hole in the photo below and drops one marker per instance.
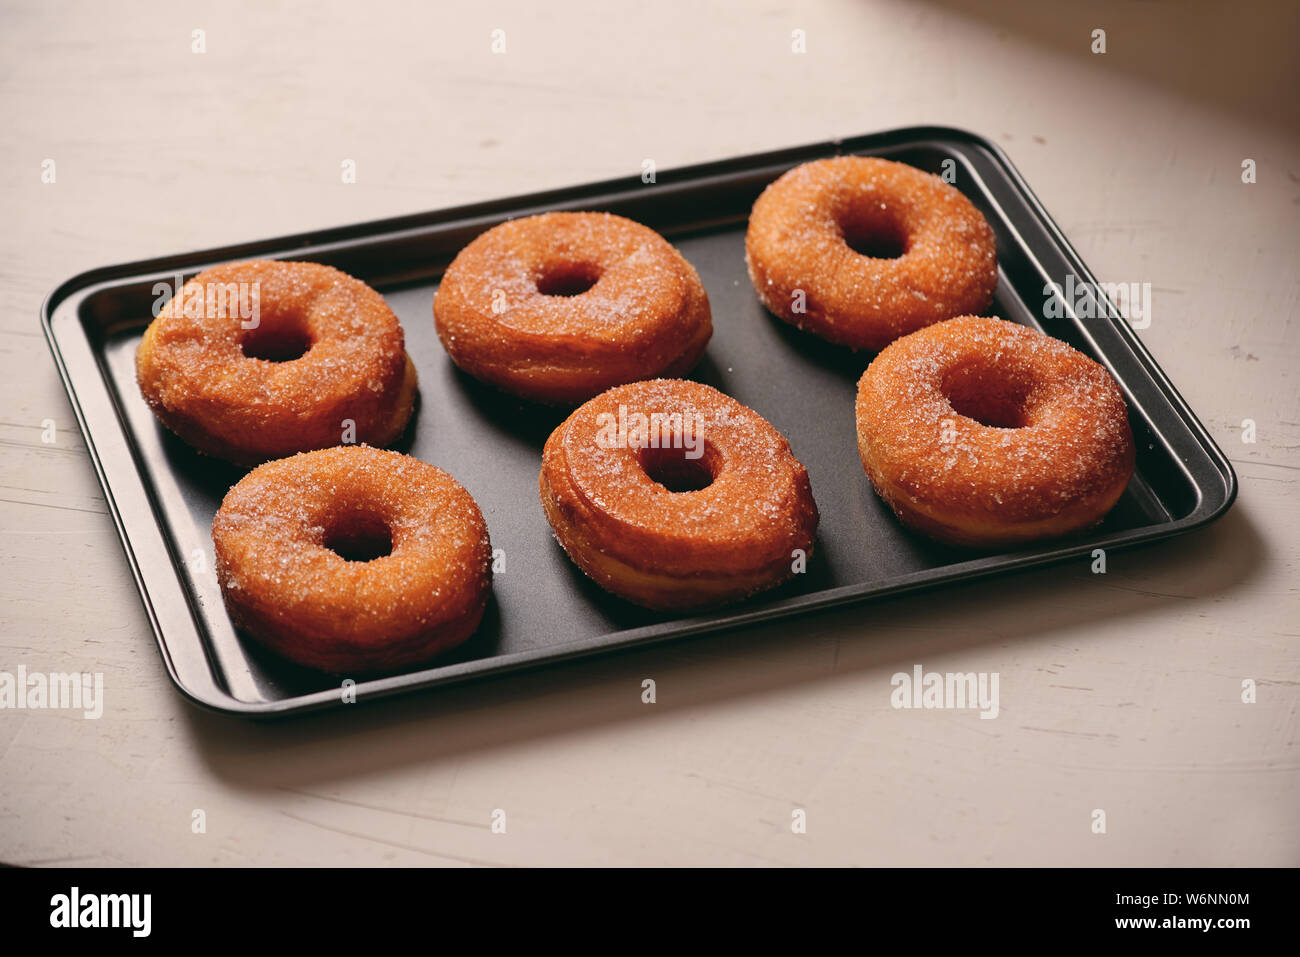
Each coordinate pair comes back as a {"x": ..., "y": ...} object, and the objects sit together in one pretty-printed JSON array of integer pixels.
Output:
[
  {"x": 276, "y": 340},
  {"x": 360, "y": 538},
  {"x": 680, "y": 469},
  {"x": 996, "y": 398},
  {"x": 872, "y": 231},
  {"x": 567, "y": 278}
]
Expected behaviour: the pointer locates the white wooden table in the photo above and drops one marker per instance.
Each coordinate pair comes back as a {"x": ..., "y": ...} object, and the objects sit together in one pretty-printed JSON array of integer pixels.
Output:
[{"x": 1120, "y": 692}]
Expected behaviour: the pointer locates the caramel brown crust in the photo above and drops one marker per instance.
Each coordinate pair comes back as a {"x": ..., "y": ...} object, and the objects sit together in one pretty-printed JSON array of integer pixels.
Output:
[
  {"x": 796, "y": 243},
  {"x": 286, "y": 588},
  {"x": 194, "y": 374},
  {"x": 664, "y": 549},
  {"x": 1055, "y": 456},
  {"x": 645, "y": 313}
]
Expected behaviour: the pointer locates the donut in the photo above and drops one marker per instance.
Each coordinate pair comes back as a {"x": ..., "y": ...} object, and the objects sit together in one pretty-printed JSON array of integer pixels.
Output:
[
  {"x": 860, "y": 250},
  {"x": 981, "y": 432},
  {"x": 673, "y": 495},
  {"x": 353, "y": 559},
  {"x": 559, "y": 307},
  {"x": 258, "y": 360}
]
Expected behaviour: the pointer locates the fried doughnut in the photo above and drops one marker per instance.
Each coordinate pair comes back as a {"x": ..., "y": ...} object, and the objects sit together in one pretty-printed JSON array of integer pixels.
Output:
[
  {"x": 559, "y": 307},
  {"x": 982, "y": 432},
  {"x": 223, "y": 388},
  {"x": 860, "y": 250},
  {"x": 353, "y": 559},
  {"x": 673, "y": 495}
]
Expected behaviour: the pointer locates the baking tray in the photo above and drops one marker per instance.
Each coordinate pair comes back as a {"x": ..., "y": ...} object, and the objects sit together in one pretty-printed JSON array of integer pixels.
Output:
[{"x": 162, "y": 495}]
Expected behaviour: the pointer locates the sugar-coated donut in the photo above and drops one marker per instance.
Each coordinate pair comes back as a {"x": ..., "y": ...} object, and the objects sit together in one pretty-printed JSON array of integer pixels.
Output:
[
  {"x": 674, "y": 495},
  {"x": 982, "y": 432},
  {"x": 353, "y": 559},
  {"x": 209, "y": 365},
  {"x": 559, "y": 307},
  {"x": 861, "y": 250}
]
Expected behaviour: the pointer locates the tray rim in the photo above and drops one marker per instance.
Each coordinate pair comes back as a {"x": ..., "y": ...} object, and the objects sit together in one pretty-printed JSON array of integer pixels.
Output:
[{"x": 980, "y": 566}]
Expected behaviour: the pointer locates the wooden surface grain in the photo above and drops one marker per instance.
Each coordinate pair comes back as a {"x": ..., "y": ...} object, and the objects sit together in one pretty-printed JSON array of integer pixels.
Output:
[{"x": 1119, "y": 692}]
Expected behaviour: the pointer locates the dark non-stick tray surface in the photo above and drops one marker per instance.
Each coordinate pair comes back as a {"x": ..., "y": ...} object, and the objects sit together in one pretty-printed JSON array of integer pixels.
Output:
[{"x": 163, "y": 496}]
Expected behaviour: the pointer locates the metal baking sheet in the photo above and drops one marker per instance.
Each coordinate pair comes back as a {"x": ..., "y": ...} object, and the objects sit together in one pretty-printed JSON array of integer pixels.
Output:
[{"x": 162, "y": 495}]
